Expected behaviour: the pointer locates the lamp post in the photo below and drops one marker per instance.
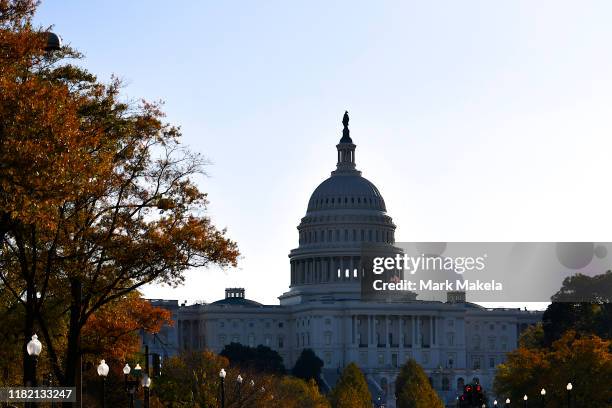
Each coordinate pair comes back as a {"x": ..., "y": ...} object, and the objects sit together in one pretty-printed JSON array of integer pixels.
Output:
[
  {"x": 132, "y": 385},
  {"x": 569, "y": 387},
  {"x": 146, "y": 383},
  {"x": 126, "y": 373},
  {"x": 222, "y": 375},
  {"x": 543, "y": 394},
  {"x": 34, "y": 348},
  {"x": 525, "y": 400},
  {"x": 239, "y": 381},
  {"x": 146, "y": 388},
  {"x": 495, "y": 403},
  {"x": 103, "y": 372},
  {"x": 507, "y": 402}
]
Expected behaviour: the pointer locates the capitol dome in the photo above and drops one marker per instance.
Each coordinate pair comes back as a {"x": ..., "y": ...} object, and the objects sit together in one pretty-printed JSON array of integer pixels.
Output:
[
  {"x": 342, "y": 191},
  {"x": 345, "y": 213}
]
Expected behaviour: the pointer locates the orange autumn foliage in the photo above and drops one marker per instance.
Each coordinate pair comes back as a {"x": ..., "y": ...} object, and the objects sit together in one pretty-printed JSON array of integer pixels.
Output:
[
  {"x": 113, "y": 330},
  {"x": 583, "y": 360},
  {"x": 97, "y": 199}
]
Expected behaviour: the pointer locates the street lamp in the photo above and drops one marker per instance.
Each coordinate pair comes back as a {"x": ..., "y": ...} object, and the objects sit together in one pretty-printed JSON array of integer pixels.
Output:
[
  {"x": 34, "y": 348},
  {"x": 507, "y": 402},
  {"x": 569, "y": 394},
  {"x": 103, "y": 372},
  {"x": 543, "y": 394},
  {"x": 146, "y": 383},
  {"x": 239, "y": 381},
  {"x": 54, "y": 42},
  {"x": 494, "y": 403},
  {"x": 525, "y": 399},
  {"x": 131, "y": 385},
  {"x": 126, "y": 372},
  {"x": 222, "y": 375}
]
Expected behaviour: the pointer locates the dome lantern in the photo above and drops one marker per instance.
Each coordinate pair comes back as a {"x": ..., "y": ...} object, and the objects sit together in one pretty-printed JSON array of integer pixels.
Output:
[{"x": 346, "y": 148}]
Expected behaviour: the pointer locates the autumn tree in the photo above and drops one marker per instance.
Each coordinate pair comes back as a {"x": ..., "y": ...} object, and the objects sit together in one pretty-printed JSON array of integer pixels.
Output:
[
  {"x": 113, "y": 330},
  {"x": 351, "y": 390},
  {"x": 44, "y": 150},
  {"x": 413, "y": 389},
  {"x": 291, "y": 392},
  {"x": 583, "y": 360},
  {"x": 192, "y": 379},
  {"x": 97, "y": 196}
]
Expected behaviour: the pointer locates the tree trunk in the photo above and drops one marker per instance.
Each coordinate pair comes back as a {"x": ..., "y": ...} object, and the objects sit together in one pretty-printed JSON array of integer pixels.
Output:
[
  {"x": 28, "y": 331},
  {"x": 73, "y": 351}
]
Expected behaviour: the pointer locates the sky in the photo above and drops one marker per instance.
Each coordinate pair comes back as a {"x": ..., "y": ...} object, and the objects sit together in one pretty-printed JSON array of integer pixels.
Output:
[{"x": 477, "y": 120}]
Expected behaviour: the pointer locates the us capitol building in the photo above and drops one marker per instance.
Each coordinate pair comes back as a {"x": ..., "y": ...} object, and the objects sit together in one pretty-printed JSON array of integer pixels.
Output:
[{"x": 455, "y": 341}]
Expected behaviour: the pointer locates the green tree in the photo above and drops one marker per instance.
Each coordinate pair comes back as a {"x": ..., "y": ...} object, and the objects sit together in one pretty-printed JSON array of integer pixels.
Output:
[
  {"x": 189, "y": 379},
  {"x": 532, "y": 337},
  {"x": 583, "y": 304},
  {"x": 413, "y": 390},
  {"x": 192, "y": 380},
  {"x": 351, "y": 390},
  {"x": 261, "y": 358},
  {"x": 308, "y": 366}
]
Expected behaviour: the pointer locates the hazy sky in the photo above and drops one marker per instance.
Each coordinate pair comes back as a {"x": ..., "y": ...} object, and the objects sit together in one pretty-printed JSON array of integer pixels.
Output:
[{"x": 477, "y": 120}]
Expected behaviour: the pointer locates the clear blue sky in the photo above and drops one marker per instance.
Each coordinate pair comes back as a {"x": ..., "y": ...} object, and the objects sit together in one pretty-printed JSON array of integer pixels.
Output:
[{"x": 477, "y": 120}]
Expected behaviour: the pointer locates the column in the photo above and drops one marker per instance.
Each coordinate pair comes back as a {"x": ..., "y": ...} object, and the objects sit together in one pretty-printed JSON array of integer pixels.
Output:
[
  {"x": 431, "y": 331},
  {"x": 387, "y": 342},
  {"x": 417, "y": 330},
  {"x": 400, "y": 331}
]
